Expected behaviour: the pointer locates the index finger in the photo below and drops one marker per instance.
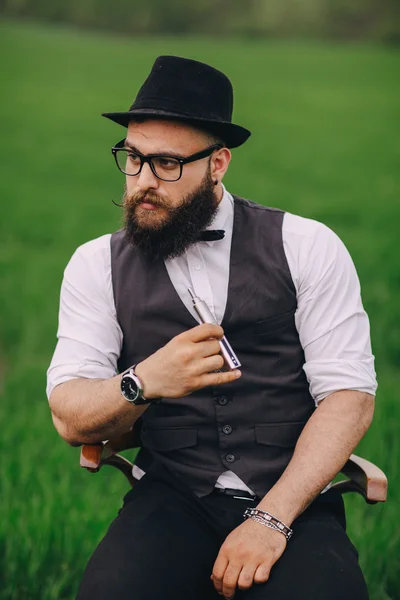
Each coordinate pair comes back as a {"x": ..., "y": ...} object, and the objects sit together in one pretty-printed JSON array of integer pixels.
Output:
[{"x": 204, "y": 332}]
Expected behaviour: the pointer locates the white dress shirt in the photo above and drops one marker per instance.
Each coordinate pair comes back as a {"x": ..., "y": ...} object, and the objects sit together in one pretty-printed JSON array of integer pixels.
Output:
[{"x": 332, "y": 324}]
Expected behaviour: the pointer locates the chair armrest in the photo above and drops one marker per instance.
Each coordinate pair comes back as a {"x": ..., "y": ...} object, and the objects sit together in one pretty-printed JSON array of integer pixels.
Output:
[
  {"x": 365, "y": 478},
  {"x": 94, "y": 456}
]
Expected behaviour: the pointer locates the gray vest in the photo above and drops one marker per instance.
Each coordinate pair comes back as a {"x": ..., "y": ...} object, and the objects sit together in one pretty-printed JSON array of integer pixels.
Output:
[{"x": 249, "y": 426}]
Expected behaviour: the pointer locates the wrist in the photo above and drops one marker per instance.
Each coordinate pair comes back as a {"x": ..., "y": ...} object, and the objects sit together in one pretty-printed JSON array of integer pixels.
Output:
[
  {"x": 268, "y": 520},
  {"x": 284, "y": 512},
  {"x": 141, "y": 371}
]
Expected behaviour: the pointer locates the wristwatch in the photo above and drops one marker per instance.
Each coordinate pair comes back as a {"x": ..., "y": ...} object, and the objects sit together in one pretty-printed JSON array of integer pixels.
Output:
[{"x": 132, "y": 388}]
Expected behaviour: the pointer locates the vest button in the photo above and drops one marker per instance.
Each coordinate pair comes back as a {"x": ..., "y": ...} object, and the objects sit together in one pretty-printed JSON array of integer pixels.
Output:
[
  {"x": 230, "y": 458},
  {"x": 227, "y": 429},
  {"x": 222, "y": 400}
]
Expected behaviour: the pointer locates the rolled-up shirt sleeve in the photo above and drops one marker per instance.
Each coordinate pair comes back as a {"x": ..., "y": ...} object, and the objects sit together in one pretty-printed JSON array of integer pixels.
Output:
[
  {"x": 332, "y": 324},
  {"x": 89, "y": 336}
]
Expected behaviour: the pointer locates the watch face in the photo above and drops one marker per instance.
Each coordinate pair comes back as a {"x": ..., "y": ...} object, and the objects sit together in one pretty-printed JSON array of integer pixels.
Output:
[{"x": 129, "y": 388}]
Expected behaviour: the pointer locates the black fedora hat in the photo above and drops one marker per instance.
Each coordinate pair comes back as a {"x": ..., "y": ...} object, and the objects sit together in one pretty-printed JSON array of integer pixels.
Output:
[{"x": 190, "y": 91}]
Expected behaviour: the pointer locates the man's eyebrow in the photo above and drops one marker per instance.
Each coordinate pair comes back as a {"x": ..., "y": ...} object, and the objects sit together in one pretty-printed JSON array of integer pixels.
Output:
[{"x": 166, "y": 153}]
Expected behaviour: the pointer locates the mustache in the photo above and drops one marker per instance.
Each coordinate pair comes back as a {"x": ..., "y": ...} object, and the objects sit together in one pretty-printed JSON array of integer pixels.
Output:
[
  {"x": 130, "y": 202},
  {"x": 135, "y": 199}
]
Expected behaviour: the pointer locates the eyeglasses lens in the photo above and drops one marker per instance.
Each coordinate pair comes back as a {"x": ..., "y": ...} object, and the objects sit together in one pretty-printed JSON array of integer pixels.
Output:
[
  {"x": 128, "y": 162},
  {"x": 166, "y": 168}
]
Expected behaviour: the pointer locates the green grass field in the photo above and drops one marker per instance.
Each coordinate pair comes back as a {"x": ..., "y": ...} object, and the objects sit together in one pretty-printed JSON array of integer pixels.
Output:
[{"x": 325, "y": 145}]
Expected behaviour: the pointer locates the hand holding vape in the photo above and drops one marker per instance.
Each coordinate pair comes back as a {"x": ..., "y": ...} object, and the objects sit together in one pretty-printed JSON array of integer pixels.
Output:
[{"x": 231, "y": 361}]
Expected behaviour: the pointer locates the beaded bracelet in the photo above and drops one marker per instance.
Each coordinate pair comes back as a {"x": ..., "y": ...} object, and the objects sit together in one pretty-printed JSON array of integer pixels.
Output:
[{"x": 265, "y": 518}]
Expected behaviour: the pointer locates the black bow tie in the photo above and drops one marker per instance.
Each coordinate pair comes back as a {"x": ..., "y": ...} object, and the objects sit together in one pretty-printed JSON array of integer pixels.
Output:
[{"x": 210, "y": 235}]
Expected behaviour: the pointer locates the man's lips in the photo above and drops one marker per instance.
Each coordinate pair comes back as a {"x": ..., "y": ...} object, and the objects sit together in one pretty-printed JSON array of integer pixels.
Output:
[{"x": 148, "y": 206}]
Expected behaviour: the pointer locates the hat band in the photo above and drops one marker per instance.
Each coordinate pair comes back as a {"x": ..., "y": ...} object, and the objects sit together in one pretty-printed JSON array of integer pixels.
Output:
[{"x": 165, "y": 106}]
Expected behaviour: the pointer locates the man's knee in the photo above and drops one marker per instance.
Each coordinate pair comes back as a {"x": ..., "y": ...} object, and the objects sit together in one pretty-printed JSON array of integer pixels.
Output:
[{"x": 162, "y": 552}]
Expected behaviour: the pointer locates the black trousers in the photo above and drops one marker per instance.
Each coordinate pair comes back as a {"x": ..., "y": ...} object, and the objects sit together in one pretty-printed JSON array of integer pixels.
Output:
[{"x": 164, "y": 542}]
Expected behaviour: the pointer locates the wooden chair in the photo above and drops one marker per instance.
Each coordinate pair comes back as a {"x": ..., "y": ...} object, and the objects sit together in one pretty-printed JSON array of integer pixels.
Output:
[{"x": 363, "y": 477}]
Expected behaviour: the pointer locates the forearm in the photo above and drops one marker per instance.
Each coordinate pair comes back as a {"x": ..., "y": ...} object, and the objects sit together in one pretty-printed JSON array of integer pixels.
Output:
[
  {"x": 91, "y": 410},
  {"x": 87, "y": 411},
  {"x": 325, "y": 444}
]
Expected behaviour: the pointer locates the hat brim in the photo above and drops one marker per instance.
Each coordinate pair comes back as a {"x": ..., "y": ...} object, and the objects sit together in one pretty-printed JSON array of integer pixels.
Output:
[{"x": 233, "y": 135}]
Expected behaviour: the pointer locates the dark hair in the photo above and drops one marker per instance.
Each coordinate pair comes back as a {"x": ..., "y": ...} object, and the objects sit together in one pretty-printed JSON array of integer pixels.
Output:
[{"x": 214, "y": 139}]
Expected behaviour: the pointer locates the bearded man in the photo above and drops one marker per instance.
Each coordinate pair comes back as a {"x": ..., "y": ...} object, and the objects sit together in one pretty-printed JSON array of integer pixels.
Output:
[{"x": 265, "y": 439}]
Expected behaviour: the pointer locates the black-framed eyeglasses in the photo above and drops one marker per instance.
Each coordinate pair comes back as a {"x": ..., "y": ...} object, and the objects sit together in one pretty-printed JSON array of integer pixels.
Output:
[{"x": 164, "y": 166}]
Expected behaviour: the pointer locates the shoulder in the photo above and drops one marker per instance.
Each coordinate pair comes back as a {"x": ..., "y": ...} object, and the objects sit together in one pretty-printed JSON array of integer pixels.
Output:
[
  {"x": 95, "y": 248},
  {"x": 87, "y": 276},
  {"x": 312, "y": 249},
  {"x": 265, "y": 222},
  {"x": 94, "y": 253},
  {"x": 307, "y": 235},
  {"x": 89, "y": 268},
  {"x": 305, "y": 228},
  {"x": 296, "y": 230},
  {"x": 255, "y": 206}
]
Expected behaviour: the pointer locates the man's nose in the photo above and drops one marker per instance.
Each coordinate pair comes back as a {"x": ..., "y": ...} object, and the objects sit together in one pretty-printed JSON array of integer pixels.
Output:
[{"x": 146, "y": 179}]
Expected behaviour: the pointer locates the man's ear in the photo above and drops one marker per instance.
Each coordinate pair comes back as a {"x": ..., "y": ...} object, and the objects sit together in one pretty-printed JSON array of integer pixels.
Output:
[{"x": 220, "y": 163}]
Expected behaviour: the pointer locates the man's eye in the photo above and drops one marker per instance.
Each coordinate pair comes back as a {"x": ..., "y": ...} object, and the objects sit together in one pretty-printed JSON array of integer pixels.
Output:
[
  {"x": 167, "y": 163},
  {"x": 133, "y": 157}
]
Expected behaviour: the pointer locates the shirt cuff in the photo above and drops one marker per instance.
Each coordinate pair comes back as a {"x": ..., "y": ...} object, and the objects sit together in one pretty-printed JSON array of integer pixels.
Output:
[
  {"x": 328, "y": 376},
  {"x": 62, "y": 373}
]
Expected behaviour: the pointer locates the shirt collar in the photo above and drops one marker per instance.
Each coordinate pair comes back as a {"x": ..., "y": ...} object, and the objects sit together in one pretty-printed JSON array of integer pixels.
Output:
[{"x": 222, "y": 215}]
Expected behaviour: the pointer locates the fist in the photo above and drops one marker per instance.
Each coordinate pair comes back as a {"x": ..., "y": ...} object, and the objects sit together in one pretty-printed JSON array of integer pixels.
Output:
[{"x": 186, "y": 364}]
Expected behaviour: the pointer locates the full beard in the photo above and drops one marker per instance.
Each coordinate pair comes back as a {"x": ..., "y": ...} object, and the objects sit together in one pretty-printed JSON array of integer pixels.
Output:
[{"x": 172, "y": 236}]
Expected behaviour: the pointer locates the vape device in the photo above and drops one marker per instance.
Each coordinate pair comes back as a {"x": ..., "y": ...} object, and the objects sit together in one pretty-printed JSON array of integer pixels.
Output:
[{"x": 231, "y": 361}]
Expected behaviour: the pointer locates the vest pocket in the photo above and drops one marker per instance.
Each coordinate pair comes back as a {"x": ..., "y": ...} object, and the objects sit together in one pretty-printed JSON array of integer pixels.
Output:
[
  {"x": 166, "y": 440},
  {"x": 265, "y": 326},
  {"x": 282, "y": 435}
]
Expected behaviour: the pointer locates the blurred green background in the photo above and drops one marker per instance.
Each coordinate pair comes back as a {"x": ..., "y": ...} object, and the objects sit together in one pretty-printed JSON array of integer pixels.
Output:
[
  {"x": 325, "y": 145},
  {"x": 336, "y": 19}
]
